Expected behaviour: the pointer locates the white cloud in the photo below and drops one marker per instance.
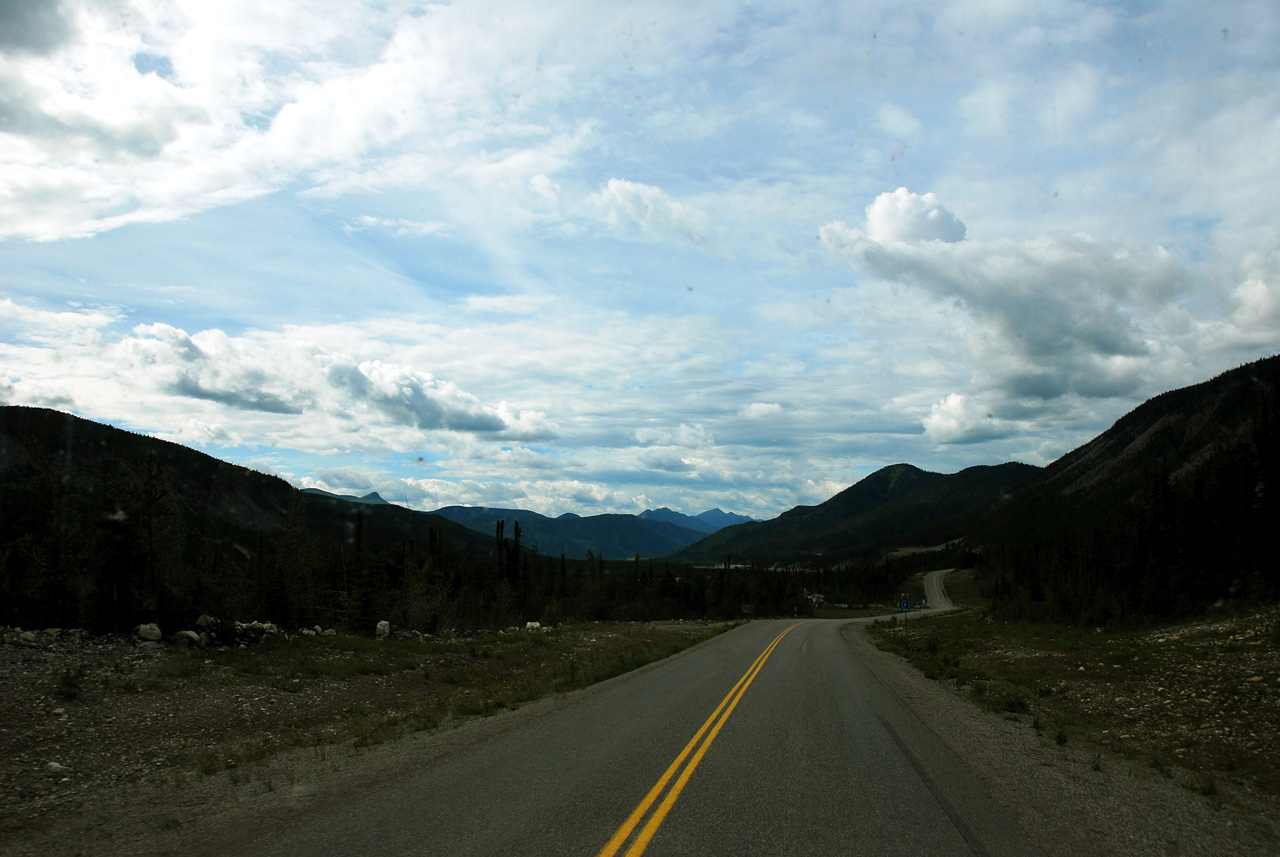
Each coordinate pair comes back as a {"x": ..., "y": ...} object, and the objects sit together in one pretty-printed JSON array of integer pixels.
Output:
[
  {"x": 903, "y": 216},
  {"x": 398, "y": 225},
  {"x": 622, "y": 203},
  {"x": 761, "y": 411},
  {"x": 507, "y": 304},
  {"x": 687, "y": 436},
  {"x": 48, "y": 327},
  {"x": 1053, "y": 314},
  {"x": 959, "y": 419}
]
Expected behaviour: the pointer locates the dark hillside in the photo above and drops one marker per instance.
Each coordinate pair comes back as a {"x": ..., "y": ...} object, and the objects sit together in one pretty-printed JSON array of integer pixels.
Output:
[
  {"x": 1168, "y": 510},
  {"x": 614, "y": 536},
  {"x": 103, "y": 528},
  {"x": 885, "y": 507}
]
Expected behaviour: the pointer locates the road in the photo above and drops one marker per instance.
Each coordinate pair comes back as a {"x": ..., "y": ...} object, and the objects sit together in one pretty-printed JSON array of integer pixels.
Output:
[
  {"x": 774, "y": 739},
  {"x": 935, "y": 592}
]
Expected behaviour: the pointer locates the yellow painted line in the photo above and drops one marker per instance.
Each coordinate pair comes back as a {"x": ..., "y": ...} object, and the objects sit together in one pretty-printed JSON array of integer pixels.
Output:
[{"x": 713, "y": 723}]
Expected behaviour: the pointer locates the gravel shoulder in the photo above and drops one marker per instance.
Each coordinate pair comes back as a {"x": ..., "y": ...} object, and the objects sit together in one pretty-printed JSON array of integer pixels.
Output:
[{"x": 1076, "y": 800}]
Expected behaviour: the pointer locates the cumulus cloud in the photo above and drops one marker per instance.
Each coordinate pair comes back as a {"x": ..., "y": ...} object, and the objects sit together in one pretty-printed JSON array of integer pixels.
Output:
[
  {"x": 1255, "y": 303},
  {"x": 959, "y": 419},
  {"x": 1054, "y": 315},
  {"x": 623, "y": 203},
  {"x": 903, "y": 216}
]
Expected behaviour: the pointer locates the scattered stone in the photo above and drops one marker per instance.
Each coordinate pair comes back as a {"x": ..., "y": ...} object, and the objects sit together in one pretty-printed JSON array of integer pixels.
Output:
[
  {"x": 307, "y": 632},
  {"x": 28, "y": 637},
  {"x": 328, "y": 632},
  {"x": 57, "y": 768},
  {"x": 150, "y": 632},
  {"x": 187, "y": 638}
]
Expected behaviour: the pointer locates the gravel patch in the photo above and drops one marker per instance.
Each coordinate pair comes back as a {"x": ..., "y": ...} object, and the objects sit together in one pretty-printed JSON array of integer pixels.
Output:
[{"x": 1073, "y": 800}]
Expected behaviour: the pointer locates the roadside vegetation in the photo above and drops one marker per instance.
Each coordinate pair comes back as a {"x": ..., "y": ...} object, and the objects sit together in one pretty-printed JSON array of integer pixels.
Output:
[
  {"x": 1198, "y": 701},
  {"x": 85, "y": 715}
]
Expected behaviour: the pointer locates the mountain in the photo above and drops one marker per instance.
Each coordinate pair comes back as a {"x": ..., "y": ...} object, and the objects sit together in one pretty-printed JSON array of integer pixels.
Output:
[
  {"x": 719, "y": 519},
  {"x": 708, "y": 522},
  {"x": 612, "y": 536},
  {"x": 1170, "y": 509},
  {"x": 104, "y": 528},
  {"x": 672, "y": 517},
  {"x": 372, "y": 498},
  {"x": 888, "y": 505}
]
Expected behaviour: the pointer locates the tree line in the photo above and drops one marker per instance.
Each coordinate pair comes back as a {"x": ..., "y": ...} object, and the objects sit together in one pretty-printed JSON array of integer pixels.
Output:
[
  {"x": 1192, "y": 528},
  {"x": 121, "y": 546}
]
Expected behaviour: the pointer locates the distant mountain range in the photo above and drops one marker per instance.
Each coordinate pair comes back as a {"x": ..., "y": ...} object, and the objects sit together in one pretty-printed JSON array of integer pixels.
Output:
[
  {"x": 1169, "y": 509},
  {"x": 708, "y": 522},
  {"x": 373, "y": 498},
  {"x": 655, "y": 532},
  {"x": 891, "y": 503}
]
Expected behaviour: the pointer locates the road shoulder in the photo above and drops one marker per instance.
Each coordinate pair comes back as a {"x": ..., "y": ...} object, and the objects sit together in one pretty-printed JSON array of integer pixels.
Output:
[{"x": 1067, "y": 802}]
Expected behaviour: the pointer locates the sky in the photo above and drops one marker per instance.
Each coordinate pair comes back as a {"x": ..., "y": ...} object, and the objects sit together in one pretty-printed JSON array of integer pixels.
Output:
[{"x": 604, "y": 257}]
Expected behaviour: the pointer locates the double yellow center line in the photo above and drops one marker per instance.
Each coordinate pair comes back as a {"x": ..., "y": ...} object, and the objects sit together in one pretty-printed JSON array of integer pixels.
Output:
[{"x": 698, "y": 746}]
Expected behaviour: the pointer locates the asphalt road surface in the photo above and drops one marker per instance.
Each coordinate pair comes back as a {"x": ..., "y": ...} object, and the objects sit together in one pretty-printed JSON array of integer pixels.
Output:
[{"x": 770, "y": 739}]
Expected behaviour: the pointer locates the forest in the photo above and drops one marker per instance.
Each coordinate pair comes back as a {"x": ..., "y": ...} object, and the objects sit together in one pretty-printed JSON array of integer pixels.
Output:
[
  {"x": 113, "y": 530},
  {"x": 1168, "y": 512}
]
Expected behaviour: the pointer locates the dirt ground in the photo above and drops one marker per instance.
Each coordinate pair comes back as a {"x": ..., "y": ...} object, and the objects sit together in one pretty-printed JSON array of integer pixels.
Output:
[
  {"x": 112, "y": 746},
  {"x": 89, "y": 722}
]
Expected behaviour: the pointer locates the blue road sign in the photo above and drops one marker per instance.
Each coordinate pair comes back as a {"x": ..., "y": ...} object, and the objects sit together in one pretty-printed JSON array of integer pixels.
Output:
[{"x": 906, "y": 606}]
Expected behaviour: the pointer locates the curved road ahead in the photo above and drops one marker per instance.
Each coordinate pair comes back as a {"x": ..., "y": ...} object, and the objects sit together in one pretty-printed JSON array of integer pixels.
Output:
[{"x": 808, "y": 754}]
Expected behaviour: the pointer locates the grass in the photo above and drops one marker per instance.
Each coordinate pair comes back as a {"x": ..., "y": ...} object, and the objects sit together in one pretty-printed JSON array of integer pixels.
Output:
[
  {"x": 912, "y": 590},
  {"x": 405, "y": 686}
]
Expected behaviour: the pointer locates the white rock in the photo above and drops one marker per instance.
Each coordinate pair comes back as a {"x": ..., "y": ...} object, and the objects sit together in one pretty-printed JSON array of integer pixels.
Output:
[
  {"x": 57, "y": 768},
  {"x": 149, "y": 632},
  {"x": 384, "y": 629},
  {"x": 532, "y": 626},
  {"x": 328, "y": 632}
]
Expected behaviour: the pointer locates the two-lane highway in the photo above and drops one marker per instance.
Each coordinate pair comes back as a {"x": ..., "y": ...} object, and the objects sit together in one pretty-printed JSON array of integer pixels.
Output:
[{"x": 772, "y": 738}]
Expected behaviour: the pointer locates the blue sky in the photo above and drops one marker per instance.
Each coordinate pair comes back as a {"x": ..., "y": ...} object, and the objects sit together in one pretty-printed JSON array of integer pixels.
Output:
[{"x": 606, "y": 257}]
